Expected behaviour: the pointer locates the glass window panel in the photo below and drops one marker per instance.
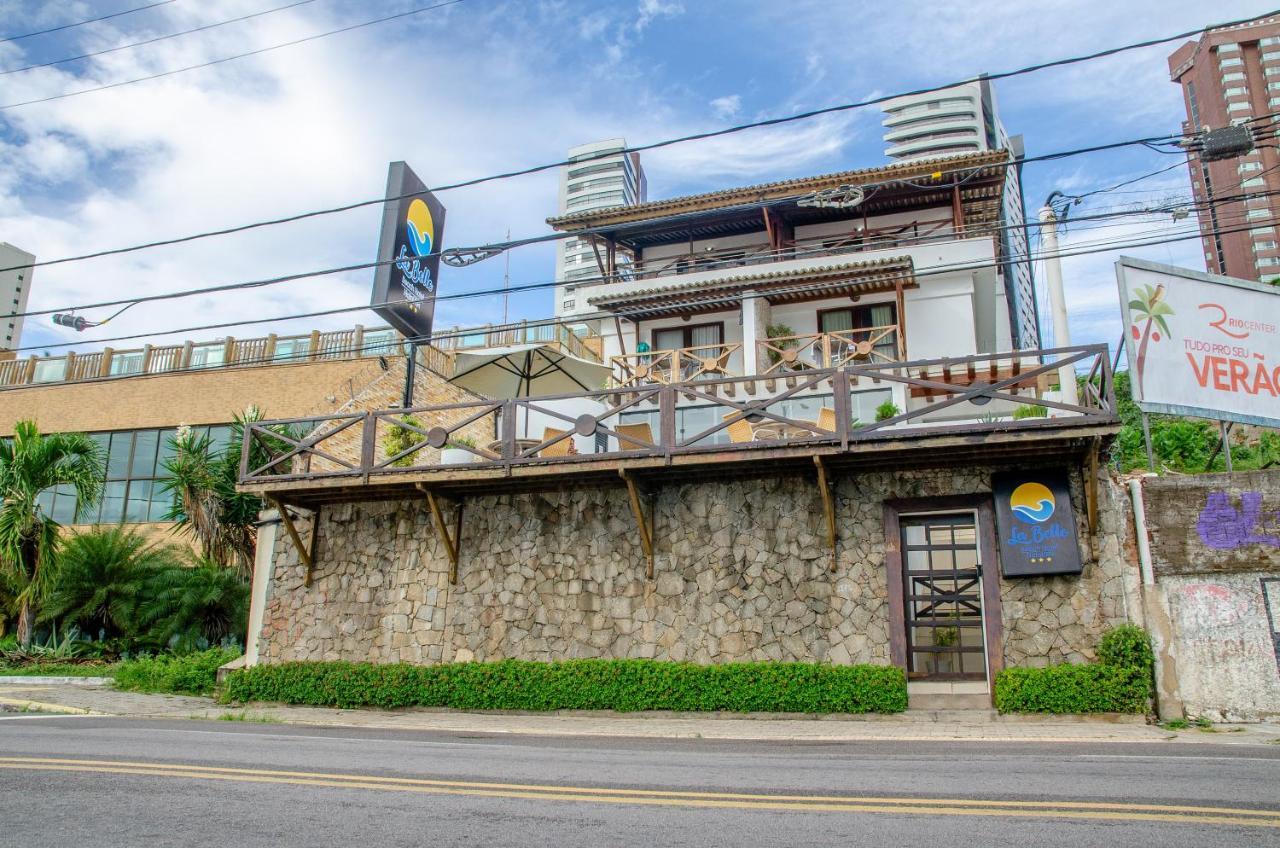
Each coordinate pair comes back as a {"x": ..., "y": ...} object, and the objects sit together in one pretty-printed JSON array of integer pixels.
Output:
[
  {"x": 161, "y": 500},
  {"x": 672, "y": 339},
  {"x": 918, "y": 560},
  {"x": 966, "y": 534},
  {"x": 44, "y": 500},
  {"x": 943, "y": 560},
  {"x": 840, "y": 319},
  {"x": 118, "y": 456},
  {"x": 915, "y": 534},
  {"x": 64, "y": 508},
  {"x": 219, "y": 437},
  {"x": 144, "y": 453},
  {"x": 113, "y": 494},
  {"x": 940, "y": 534},
  {"x": 966, "y": 559},
  {"x": 139, "y": 503},
  {"x": 165, "y": 451}
]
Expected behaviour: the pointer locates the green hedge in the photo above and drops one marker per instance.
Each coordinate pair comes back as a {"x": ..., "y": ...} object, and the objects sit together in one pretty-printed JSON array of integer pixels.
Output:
[
  {"x": 623, "y": 685},
  {"x": 1121, "y": 681},
  {"x": 184, "y": 674}
]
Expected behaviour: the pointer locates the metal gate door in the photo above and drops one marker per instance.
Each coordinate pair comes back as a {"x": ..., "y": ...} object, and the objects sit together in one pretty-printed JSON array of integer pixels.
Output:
[{"x": 942, "y": 583}]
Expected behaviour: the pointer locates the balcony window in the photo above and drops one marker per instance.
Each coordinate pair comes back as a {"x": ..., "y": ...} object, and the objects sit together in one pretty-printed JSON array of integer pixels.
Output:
[
  {"x": 1264, "y": 245},
  {"x": 1237, "y": 91},
  {"x": 1268, "y": 261},
  {"x": 1256, "y": 182},
  {"x": 1245, "y": 167},
  {"x": 1228, "y": 48},
  {"x": 50, "y": 370},
  {"x": 1273, "y": 56},
  {"x": 863, "y": 318},
  {"x": 1234, "y": 76},
  {"x": 1238, "y": 106},
  {"x": 1232, "y": 61}
]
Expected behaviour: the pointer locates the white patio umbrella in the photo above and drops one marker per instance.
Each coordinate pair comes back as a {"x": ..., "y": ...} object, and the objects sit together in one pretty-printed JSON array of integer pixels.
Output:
[{"x": 527, "y": 370}]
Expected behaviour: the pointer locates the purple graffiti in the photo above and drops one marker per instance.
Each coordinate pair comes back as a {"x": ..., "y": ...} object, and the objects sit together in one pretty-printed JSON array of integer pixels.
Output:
[{"x": 1225, "y": 527}]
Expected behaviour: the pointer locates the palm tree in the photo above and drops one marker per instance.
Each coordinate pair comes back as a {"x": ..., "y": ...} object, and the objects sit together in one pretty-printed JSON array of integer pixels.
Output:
[
  {"x": 1149, "y": 303},
  {"x": 102, "y": 578},
  {"x": 29, "y": 464},
  {"x": 191, "y": 608}
]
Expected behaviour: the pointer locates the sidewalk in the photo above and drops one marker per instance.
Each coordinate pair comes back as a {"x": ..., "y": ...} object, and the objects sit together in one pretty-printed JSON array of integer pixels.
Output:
[{"x": 912, "y": 726}]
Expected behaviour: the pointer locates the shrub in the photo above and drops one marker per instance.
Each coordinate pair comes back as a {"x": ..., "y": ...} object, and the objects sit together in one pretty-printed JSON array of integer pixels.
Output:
[
  {"x": 400, "y": 438},
  {"x": 1121, "y": 681},
  {"x": 591, "y": 684},
  {"x": 190, "y": 674},
  {"x": 1028, "y": 411}
]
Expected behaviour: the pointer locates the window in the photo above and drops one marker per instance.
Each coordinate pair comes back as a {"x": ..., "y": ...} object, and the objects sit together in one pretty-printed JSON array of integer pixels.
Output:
[
  {"x": 1232, "y": 62},
  {"x": 1228, "y": 48},
  {"x": 1268, "y": 42},
  {"x": 1264, "y": 245},
  {"x": 1237, "y": 91},
  {"x": 1256, "y": 182},
  {"x": 1271, "y": 57},
  {"x": 1268, "y": 261},
  {"x": 1262, "y": 231},
  {"x": 1238, "y": 106},
  {"x": 1245, "y": 167},
  {"x": 1255, "y": 214},
  {"x": 854, "y": 318},
  {"x": 1234, "y": 76},
  {"x": 569, "y": 304},
  {"x": 133, "y": 492}
]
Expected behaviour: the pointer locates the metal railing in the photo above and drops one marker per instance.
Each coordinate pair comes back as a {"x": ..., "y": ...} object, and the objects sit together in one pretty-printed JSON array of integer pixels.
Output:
[{"x": 815, "y": 408}]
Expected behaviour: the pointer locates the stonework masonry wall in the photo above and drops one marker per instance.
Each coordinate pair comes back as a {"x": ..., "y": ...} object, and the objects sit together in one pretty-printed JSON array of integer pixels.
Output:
[{"x": 741, "y": 574}]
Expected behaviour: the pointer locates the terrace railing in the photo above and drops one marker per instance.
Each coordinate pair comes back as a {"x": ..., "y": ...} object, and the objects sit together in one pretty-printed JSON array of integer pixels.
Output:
[
  {"x": 722, "y": 416},
  {"x": 678, "y": 365},
  {"x": 830, "y": 350}
]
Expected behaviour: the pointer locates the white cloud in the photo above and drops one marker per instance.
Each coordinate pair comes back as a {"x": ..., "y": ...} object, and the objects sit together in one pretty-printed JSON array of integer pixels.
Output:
[
  {"x": 727, "y": 106},
  {"x": 651, "y": 10}
]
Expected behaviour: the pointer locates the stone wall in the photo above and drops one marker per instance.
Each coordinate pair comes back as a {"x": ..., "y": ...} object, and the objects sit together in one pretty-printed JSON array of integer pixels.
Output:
[{"x": 740, "y": 574}]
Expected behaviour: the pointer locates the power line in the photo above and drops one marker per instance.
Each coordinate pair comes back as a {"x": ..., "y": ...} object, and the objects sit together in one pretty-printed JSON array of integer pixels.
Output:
[
  {"x": 82, "y": 23},
  {"x": 220, "y": 61},
  {"x": 497, "y": 245},
  {"x": 926, "y": 272},
  {"x": 651, "y": 146},
  {"x": 157, "y": 38},
  {"x": 270, "y": 281}
]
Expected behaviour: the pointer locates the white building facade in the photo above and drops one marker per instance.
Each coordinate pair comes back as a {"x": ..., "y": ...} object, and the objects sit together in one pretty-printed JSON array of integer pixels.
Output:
[
  {"x": 600, "y": 175},
  {"x": 964, "y": 119},
  {"x": 15, "y": 287}
]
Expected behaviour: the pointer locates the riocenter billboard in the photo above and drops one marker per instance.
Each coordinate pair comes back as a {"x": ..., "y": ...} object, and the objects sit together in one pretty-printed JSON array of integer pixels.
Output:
[
  {"x": 404, "y": 283},
  {"x": 1201, "y": 345}
]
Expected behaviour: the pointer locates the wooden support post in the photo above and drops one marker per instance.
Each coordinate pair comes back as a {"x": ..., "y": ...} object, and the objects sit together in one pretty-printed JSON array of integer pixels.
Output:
[
  {"x": 902, "y": 318},
  {"x": 957, "y": 210},
  {"x": 828, "y": 508},
  {"x": 1091, "y": 490},
  {"x": 595, "y": 248},
  {"x": 304, "y": 551},
  {"x": 643, "y": 524},
  {"x": 450, "y": 542}
]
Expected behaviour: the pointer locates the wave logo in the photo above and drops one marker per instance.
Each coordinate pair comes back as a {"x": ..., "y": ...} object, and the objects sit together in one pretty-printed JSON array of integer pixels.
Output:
[
  {"x": 1032, "y": 502},
  {"x": 421, "y": 227}
]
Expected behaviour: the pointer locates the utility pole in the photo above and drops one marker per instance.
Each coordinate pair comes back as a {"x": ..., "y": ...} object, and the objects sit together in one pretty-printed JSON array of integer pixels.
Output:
[
  {"x": 506, "y": 280},
  {"x": 1057, "y": 301}
]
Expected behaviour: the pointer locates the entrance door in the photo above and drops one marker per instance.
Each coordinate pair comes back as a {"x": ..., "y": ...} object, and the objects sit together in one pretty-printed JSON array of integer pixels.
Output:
[{"x": 942, "y": 591}]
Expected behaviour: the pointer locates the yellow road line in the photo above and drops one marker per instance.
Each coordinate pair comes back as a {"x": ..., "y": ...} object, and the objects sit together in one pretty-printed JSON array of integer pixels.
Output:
[{"x": 722, "y": 800}]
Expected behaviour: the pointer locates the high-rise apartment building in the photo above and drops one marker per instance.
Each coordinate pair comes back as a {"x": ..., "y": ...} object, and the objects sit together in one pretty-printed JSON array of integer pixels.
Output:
[
  {"x": 1232, "y": 76},
  {"x": 599, "y": 175},
  {"x": 15, "y": 285},
  {"x": 964, "y": 119}
]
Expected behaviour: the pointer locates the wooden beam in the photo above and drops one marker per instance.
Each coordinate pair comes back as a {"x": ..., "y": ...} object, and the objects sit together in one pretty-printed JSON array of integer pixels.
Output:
[
  {"x": 305, "y": 552},
  {"x": 643, "y": 524},
  {"x": 957, "y": 209},
  {"x": 1091, "y": 490},
  {"x": 828, "y": 508},
  {"x": 595, "y": 248},
  {"x": 768, "y": 228},
  {"x": 450, "y": 541},
  {"x": 901, "y": 301}
]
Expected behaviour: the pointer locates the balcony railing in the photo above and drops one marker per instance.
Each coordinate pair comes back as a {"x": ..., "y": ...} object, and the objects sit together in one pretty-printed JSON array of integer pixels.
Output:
[
  {"x": 673, "y": 366},
  {"x": 913, "y": 232},
  {"x": 830, "y": 350},
  {"x": 722, "y": 419}
]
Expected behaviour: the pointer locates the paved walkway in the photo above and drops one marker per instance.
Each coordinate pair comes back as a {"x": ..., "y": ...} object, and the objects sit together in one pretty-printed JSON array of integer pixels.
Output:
[{"x": 79, "y": 698}]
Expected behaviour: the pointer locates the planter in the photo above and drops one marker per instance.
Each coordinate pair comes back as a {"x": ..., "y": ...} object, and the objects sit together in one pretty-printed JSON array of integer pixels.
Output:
[{"x": 456, "y": 456}]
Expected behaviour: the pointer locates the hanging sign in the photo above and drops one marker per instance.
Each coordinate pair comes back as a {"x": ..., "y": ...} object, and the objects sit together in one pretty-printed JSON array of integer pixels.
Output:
[
  {"x": 404, "y": 284},
  {"x": 1201, "y": 345},
  {"x": 1036, "y": 523}
]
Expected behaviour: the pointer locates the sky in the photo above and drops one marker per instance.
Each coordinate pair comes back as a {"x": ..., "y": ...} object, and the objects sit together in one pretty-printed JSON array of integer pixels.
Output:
[{"x": 488, "y": 86}]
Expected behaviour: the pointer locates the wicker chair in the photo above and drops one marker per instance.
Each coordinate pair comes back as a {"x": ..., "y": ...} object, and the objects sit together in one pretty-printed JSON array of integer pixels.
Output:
[
  {"x": 640, "y": 432},
  {"x": 565, "y": 447},
  {"x": 739, "y": 431},
  {"x": 826, "y": 419}
]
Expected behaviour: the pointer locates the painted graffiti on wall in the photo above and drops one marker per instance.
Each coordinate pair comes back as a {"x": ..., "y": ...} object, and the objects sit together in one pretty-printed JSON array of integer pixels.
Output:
[
  {"x": 1271, "y": 600},
  {"x": 1224, "y": 526}
]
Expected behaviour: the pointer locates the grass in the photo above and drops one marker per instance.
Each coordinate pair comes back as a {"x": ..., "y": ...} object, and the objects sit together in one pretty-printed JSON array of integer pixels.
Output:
[
  {"x": 260, "y": 718},
  {"x": 58, "y": 670},
  {"x": 1175, "y": 724}
]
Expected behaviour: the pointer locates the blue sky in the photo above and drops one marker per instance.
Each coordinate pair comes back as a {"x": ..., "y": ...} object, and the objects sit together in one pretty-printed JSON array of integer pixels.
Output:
[{"x": 487, "y": 86}]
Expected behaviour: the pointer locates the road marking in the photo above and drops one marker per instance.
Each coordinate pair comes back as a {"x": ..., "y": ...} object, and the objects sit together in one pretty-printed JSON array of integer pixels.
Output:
[
  {"x": 1172, "y": 757},
  {"x": 674, "y": 798},
  {"x": 27, "y": 716}
]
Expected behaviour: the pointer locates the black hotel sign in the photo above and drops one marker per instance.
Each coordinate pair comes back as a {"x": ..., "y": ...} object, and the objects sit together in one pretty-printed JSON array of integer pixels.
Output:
[
  {"x": 404, "y": 284},
  {"x": 1036, "y": 523}
]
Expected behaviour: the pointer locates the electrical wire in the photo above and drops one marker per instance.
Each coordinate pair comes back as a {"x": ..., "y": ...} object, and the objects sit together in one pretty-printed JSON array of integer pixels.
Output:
[
  {"x": 82, "y": 23},
  {"x": 1013, "y": 161},
  {"x": 224, "y": 59},
  {"x": 157, "y": 38},
  {"x": 928, "y": 271}
]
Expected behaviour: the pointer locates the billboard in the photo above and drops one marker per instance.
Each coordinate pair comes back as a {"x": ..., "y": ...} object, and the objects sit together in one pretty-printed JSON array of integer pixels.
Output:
[
  {"x": 1200, "y": 344},
  {"x": 404, "y": 284},
  {"x": 1037, "y": 524}
]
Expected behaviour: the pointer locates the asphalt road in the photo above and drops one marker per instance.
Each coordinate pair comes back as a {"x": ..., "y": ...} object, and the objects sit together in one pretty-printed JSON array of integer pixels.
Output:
[{"x": 126, "y": 782}]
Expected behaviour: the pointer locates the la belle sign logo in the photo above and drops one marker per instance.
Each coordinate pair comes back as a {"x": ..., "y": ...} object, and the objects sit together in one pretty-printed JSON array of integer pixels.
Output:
[{"x": 1201, "y": 345}]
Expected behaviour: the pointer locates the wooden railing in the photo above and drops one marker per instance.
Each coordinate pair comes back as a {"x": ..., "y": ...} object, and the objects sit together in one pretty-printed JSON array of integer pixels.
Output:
[
  {"x": 830, "y": 350},
  {"x": 983, "y": 394},
  {"x": 673, "y": 366},
  {"x": 504, "y": 336}
]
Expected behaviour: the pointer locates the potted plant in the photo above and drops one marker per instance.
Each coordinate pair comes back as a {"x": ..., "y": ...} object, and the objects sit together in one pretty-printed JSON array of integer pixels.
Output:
[
  {"x": 1028, "y": 411},
  {"x": 779, "y": 331},
  {"x": 887, "y": 410},
  {"x": 455, "y": 453}
]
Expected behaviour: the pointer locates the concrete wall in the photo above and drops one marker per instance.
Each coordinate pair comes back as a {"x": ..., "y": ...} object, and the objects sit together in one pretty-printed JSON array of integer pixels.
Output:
[
  {"x": 1215, "y": 601},
  {"x": 741, "y": 574}
]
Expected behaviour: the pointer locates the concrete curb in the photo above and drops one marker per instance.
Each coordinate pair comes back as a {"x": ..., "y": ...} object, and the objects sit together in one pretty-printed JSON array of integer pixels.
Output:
[{"x": 40, "y": 707}]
